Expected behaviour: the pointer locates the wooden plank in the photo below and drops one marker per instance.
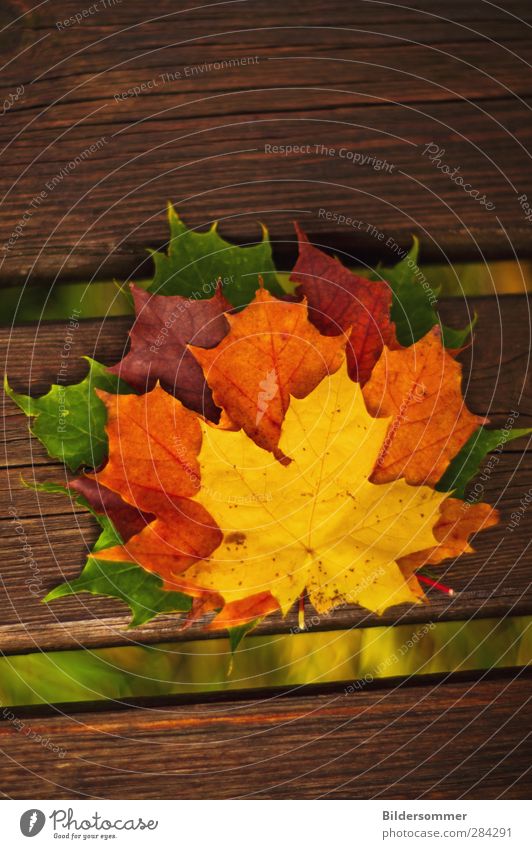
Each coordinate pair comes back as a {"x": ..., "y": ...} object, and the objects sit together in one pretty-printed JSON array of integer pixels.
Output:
[
  {"x": 497, "y": 376},
  {"x": 455, "y": 739},
  {"x": 372, "y": 80},
  {"x": 495, "y": 581}
]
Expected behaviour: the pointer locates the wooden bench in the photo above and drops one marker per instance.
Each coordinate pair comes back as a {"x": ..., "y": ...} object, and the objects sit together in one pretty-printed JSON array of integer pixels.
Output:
[{"x": 381, "y": 80}]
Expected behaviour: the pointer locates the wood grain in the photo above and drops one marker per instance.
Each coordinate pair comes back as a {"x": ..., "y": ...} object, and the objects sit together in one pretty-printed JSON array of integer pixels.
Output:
[
  {"x": 494, "y": 581},
  {"x": 440, "y": 740},
  {"x": 371, "y": 79}
]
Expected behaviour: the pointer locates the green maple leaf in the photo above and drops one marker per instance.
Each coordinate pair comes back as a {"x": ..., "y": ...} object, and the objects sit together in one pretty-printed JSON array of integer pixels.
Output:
[
  {"x": 413, "y": 308},
  {"x": 70, "y": 420},
  {"x": 196, "y": 261},
  {"x": 468, "y": 461},
  {"x": 142, "y": 591}
]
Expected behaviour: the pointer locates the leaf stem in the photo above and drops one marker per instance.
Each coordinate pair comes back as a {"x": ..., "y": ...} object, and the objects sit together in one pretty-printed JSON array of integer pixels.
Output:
[
  {"x": 301, "y": 612},
  {"x": 436, "y": 584}
]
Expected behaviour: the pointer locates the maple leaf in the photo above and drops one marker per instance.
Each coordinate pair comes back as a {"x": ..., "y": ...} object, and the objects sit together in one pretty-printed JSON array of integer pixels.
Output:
[
  {"x": 197, "y": 261},
  {"x": 127, "y": 520},
  {"x": 420, "y": 387},
  {"x": 153, "y": 446},
  {"x": 317, "y": 524},
  {"x": 163, "y": 327},
  {"x": 339, "y": 300},
  {"x": 271, "y": 353},
  {"x": 176, "y": 539},
  {"x": 458, "y": 521},
  {"x": 467, "y": 462},
  {"x": 413, "y": 310},
  {"x": 70, "y": 420},
  {"x": 241, "y": 612},
  {"x": 142, "y": 591}
]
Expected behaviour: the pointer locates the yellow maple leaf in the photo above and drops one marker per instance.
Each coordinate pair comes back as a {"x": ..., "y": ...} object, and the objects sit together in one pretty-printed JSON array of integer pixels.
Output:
[{"x": 317, "y": 524}]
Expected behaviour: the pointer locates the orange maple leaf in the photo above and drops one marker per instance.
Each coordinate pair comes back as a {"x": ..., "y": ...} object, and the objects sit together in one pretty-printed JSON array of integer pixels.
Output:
[
  {"x": 458, "y": 521},
  {"x": 245, "y": 610},
  {"x": 154, "y": 442},
  {"x": 420, "y": 387},
  {"x": 270, "y": 353},
  {"x": 153, "y": 446},
  {"x": 179, "y": 537}
]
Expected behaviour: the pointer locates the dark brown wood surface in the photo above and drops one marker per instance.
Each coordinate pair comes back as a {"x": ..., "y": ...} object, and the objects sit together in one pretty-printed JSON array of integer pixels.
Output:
[
  {"x": 450, "y": 740},
  {"x": 340, "y": 79},
  {"x": 374, "y": 79},
  {"x": 494, "y": 581}
]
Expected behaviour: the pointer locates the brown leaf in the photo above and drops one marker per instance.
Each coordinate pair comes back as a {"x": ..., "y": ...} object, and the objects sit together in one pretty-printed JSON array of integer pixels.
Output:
[
  {"x": 163, "y": 327},
  {"x": 127, "y": 520}
]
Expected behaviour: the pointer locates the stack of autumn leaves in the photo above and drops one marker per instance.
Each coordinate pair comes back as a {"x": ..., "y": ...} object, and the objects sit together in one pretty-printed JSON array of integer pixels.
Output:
[{"x": 255, "y": 449}]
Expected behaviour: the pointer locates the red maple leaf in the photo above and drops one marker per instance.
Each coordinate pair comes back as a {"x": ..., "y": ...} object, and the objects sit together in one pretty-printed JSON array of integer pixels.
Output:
[{"x": 339, "y": 300}]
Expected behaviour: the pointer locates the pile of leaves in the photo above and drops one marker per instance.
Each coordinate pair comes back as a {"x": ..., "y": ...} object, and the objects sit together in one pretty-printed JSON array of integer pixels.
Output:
[{"x": 261, "y": 445}]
